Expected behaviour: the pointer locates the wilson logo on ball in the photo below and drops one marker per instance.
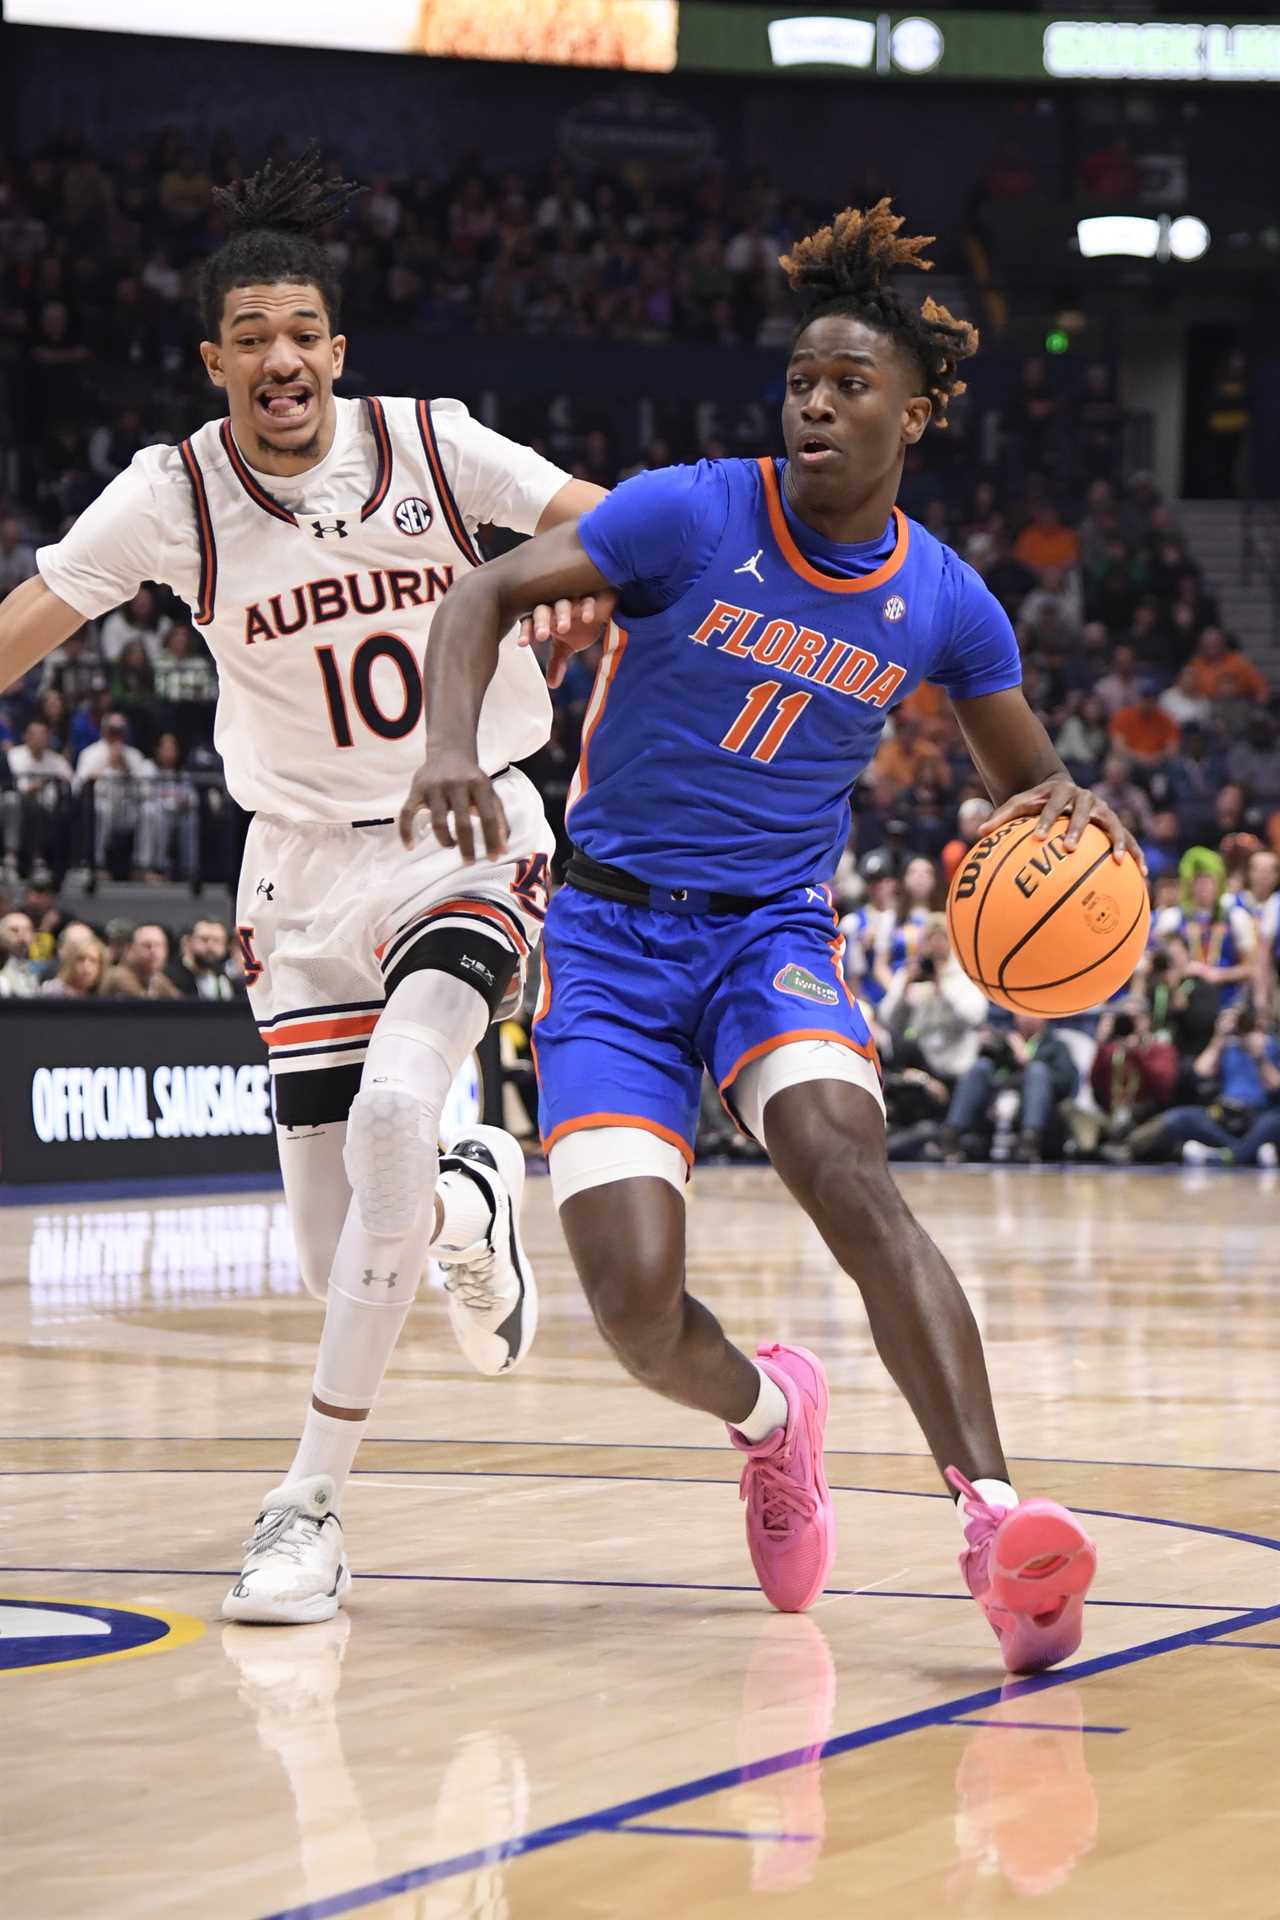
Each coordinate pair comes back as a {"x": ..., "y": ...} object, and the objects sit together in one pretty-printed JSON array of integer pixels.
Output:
[
  {"x": 413, "y": 515},
  {"x": 971, "y": 872}
]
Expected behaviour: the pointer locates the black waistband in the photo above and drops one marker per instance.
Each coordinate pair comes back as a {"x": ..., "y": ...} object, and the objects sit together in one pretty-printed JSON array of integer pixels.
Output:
[
  {"x": 389, "y": 819},
  {"x": 611, "y": 883}
]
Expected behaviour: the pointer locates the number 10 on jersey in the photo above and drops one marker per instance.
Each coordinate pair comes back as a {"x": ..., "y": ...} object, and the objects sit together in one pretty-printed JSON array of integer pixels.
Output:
[{"x": 387, "y": 726}]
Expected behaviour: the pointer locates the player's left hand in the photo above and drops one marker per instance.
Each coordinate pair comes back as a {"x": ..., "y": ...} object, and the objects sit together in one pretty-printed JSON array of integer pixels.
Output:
[
  {"x": 570, "y": 625},
  {"x": 1056, "y": 796}
]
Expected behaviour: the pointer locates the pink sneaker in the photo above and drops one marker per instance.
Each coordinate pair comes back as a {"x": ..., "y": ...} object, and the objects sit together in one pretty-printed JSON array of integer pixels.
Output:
[
  {"x": 1029, "y": 1568},
  {"x": 791, "y": 1523}
]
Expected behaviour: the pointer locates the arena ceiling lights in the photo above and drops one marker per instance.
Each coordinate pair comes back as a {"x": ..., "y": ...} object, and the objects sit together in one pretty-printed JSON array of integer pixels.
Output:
[{"x": 1143, "y": 238}]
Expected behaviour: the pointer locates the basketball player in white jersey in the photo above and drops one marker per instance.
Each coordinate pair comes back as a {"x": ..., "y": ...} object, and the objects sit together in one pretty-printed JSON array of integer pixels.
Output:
[{"x": 313, "y": 536}]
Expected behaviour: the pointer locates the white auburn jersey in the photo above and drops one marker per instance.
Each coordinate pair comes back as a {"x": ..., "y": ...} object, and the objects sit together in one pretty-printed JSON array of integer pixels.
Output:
[{"x": 315, "y": 594}]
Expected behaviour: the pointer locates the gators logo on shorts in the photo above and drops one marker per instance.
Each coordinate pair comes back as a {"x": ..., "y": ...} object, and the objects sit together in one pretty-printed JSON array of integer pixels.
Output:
[{"x": 803, "y": 985}]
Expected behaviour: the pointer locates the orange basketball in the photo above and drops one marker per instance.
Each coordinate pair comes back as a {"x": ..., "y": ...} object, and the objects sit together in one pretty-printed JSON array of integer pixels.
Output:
[{"x": 1045, "y": 930}]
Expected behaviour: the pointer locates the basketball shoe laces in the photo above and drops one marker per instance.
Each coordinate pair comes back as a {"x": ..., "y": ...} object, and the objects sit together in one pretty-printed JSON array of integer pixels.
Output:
[
  {"x": 275, "y": 1532},
  {"x": 470, "y": 1276},
  {"x": 781, "y": 1501}
]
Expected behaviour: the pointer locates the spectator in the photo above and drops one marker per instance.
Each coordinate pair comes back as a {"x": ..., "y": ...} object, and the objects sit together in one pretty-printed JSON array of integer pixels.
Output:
[
  {"x": 1144, "y": 730},
  {"x": 1035, "y": 1060},
  {"x": 1162, "y": 846},
  {"x": 19, "y": 979},
  {"x": 17, "y": 557},
  {"x": 933, "y": 1011},
  {"x": 1046, "y": 542},
  {"x": 112, "y": 754},
  {"x": 1122, "y": 796},
  {"x": 1238, "y": 1121},
  {"x": 1054, "y": 608},
  {"x": 183, "y": 671},
  {"x": 1215, "y": 660},
  {"x": 868, "y": 930},
  {"x": 72, "y": 668},
  {"x": 34, "y": 764},
  {"x": 1254, "y": 762},
  {"x": 137, "y": 619},
  {"x": 971, "y": 816},
  {"x": 1122, "y": 687},
  {"x": 1221, "y": 938},
  {"x": 1008, "y": 578},
  {"x": 1184, "y": 703},
  {"x": 168, "y": 824},
  {"x": 140, "y": 972},
  {"x": 82, "y": 961},
  {"x": 1082, "y": 739},
  {"x": 1133, "y": 1076},
  {"x": 203, "y": 968}
]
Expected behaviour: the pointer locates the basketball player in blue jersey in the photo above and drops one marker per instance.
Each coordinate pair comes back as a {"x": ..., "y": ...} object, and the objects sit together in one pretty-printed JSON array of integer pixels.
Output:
[{"x": 770, "y": 615}]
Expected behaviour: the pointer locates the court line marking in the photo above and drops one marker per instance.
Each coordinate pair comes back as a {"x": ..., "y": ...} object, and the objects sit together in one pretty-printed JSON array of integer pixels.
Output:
[
  {"x": 1037, "y": 1726},
  {"x": 710, "y": 1833},
  {"x": 608, "y": 1819},
  {"x": 615, "y": 1479},
  {"x": 875, "y": 1591},
  {"x": 614, "y": 1446},
  {"x": 1264, "y": 1646}
]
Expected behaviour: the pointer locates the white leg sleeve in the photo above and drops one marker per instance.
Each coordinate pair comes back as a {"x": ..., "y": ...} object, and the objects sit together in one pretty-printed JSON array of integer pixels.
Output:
[
  {"x": 599, "y": 1156},
  {"x": 795, "y": 1065},
  {"x": 317, "y": 1195}
]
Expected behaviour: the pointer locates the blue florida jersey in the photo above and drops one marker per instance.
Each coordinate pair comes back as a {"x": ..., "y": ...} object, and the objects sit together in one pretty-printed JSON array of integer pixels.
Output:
[{"x": 746, "y": 682}]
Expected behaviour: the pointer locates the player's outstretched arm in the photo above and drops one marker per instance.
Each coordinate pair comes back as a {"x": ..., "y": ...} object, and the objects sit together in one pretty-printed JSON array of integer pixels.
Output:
[
  {"x": 461, "y": 661},
  {"x": 1023, "y": 774},
  {"x": 33, "y": 621}
]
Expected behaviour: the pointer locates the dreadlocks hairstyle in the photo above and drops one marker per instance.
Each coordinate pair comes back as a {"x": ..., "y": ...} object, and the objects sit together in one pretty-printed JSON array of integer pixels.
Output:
[
  {"x": 273, "y": 217},
  {"x": 842, "y": 268}
]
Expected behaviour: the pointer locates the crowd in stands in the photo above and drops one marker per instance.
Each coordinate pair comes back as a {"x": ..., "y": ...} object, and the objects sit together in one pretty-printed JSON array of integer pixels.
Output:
[
  {"x": 106, "y": 757},
  {"x": 45, "y": 952}
]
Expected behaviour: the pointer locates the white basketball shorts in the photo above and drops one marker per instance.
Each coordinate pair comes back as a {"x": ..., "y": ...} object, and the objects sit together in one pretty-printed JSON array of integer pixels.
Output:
[{"x": 331, "y": 918}]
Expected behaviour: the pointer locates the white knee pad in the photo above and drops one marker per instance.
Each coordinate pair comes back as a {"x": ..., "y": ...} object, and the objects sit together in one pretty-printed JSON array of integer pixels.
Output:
[
  {"x": 391, "y": 1156},
  {"x": 794, "y": 1065},
  {"x": 598, "y": 1156}
]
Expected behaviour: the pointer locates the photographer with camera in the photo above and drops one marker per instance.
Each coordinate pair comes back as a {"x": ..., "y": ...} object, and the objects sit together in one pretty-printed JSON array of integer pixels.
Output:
[
  {"x": 1029, "y": 1057},
  {"x": 1238, "y": 1123},
  {"x": 932, "y": 1015}
]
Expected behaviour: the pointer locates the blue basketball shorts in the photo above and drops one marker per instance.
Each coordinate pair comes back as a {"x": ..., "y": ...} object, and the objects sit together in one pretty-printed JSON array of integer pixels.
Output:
[{"x": 635, "y": 1002}]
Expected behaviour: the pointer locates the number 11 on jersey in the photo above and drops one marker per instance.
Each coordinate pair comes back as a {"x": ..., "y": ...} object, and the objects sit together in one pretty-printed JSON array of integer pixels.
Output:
[{"x": 754, "y": 708}]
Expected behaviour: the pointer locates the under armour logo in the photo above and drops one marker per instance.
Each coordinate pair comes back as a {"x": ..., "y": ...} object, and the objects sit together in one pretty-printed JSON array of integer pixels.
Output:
[
  {"x": 321, "y": 527},
  {"x": 268, "y": 888},
  {"x": 371, "y": 1279},
  {"x": 752, "y": 565}
]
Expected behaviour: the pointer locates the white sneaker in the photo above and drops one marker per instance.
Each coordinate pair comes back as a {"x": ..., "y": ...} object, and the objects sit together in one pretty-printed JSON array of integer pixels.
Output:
[
  {"x": 493, "y": 1298},
  {"x": 1269, "y": 1154},
  {"x": 295, "y": 1570},
  {"x": 1196, "y": 1154}
]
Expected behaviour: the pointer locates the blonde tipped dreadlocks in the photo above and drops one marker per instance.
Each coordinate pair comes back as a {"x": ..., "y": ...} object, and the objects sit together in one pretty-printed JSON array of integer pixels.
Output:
[{"x": 842, "y": 268}]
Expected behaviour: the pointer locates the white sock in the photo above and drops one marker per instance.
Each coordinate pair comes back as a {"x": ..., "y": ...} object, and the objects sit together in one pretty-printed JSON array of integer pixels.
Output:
[
  {"x": 996, "y": 1493},
  {"x": 464, "y": 1212},
  {"x": 768, "y": 1414}
]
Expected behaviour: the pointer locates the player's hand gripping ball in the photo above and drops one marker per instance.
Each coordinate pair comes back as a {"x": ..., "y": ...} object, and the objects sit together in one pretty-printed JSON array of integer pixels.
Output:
[{"x": 1045, "y": 928}]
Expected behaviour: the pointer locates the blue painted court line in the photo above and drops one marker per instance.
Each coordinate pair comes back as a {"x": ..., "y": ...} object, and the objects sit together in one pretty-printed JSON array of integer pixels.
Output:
[
  {"x": 640, "y": 1586},
  {"x": 614, "y": 1446},
  {"x": 609, "y": 1818},
  {"x": 707, "y": 1833},
  {"x": 1036, "y": 1726},
  {"x": 1263, "y": 1646},
  {"x": 63, "y": 1192},
  {"x": 613, "y": 1479}
]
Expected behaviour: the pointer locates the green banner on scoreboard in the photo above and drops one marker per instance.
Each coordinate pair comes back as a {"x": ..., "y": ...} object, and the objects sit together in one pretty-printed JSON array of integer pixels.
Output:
[{"x": 975, "y": 46}]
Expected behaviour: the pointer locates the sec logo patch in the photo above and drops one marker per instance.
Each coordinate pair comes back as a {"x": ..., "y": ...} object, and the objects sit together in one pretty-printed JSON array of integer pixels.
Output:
[
  {"x": 895, "y": 607},
  {"x": 76, "y": 1633},
  {"x": 413, "y": 515}
]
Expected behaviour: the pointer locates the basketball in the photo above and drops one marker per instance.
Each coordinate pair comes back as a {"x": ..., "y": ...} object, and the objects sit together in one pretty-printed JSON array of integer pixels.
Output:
[{"x": 1045, "y": 929}]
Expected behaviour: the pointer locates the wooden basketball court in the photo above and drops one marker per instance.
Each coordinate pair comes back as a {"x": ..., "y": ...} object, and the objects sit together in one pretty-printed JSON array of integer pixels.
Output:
[{"x": 557, "y": 1691}]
